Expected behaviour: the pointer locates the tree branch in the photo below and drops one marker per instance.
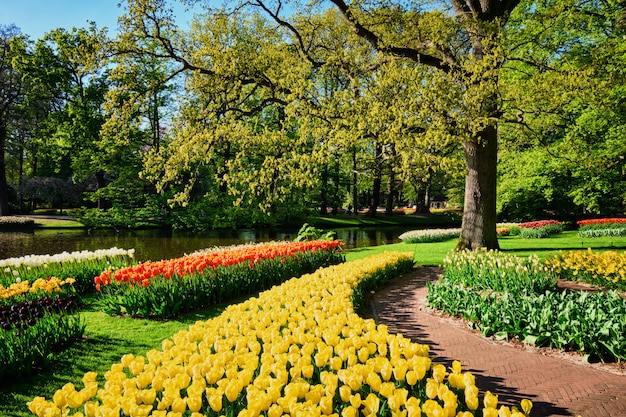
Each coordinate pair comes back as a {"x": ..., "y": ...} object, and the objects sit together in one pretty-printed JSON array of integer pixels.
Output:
[{"x": 374, "y": 39}]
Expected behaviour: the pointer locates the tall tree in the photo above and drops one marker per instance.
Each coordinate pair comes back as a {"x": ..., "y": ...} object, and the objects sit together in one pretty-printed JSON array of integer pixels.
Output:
[
  {"x": 465, "y": 45},
  {"x": 564, "y": 84},
  {"x": 12, "y": 47}
]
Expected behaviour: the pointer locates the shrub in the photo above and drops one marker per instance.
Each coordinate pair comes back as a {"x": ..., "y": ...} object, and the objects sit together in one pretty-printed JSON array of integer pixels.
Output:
[{"x": 429, "y": 235}]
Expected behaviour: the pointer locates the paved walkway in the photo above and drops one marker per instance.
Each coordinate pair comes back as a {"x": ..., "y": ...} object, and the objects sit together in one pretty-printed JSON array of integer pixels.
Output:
[{"x": 555, "y": 383}]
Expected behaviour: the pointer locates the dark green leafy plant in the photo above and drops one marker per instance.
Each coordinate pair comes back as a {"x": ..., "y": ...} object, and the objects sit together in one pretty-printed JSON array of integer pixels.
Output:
[{"x": 308, "y": 232}]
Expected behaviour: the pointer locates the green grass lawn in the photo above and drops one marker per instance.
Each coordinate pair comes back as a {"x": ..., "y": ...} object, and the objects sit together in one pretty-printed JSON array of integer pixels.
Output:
[
  {"x": 432, "y": 254},
  {"x": 108, "y": 338}
]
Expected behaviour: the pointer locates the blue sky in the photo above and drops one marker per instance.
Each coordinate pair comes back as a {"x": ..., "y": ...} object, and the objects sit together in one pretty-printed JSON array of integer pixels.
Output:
[{"x": 36, "y": 17}]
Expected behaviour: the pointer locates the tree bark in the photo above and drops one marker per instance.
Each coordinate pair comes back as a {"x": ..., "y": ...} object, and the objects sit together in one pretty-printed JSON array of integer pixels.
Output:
[
  {"x": 355, "y": 189},
  {"x": 324, "y": 191},
  {"x": 5, "y": 209},
  {"x": 391, "y": 192},
  {"x": 103, "y": 204},
  {"x": 478, "y": 229},
  {"x": 375, "y": 200}
]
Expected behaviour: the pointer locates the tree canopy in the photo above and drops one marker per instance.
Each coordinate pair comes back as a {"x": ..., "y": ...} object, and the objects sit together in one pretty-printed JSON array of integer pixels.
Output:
[{"x": 264, "y": 110}]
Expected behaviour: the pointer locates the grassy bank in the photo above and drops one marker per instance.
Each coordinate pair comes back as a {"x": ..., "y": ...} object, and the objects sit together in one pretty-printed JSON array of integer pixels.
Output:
[
  {"x": 432, "y": 254},
  {"x": 408, "y": 220}
]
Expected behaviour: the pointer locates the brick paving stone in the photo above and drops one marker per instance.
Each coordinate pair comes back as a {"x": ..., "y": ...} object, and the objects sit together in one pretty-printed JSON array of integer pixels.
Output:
[{"x": 557, "y": 385}]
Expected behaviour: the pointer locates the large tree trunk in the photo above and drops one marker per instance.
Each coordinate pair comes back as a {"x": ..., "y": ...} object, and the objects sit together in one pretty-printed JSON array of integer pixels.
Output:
[
  {"x": 478, "y": 229},
  {"x": 355, "y": 189},
  {"x": 391, "y": 192},
  {"x": 324, "y": 191},
  {"x": 103, "y": 204},
  {"x": 5, "y": 210}
]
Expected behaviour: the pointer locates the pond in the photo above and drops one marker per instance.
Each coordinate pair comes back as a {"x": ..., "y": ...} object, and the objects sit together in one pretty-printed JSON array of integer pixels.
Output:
[{"x": 158, "y": 244}]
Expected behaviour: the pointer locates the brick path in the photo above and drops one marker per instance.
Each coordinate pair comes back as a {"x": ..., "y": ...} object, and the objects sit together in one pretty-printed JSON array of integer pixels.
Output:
[{"x": 556, "y": 384}]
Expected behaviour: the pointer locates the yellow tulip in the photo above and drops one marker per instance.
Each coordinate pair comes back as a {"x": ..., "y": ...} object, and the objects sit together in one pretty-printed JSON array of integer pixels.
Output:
[
  {"x": 75, "y": 399},
  {"x": 215, "y": 402},
  {"x": 433, "y": 409},
  {"x": 411, "y": 378},
  {"x": 194, "y": 403},
  {"x": 52, "y": 412},
  {"x": 374, "y": 381},
  {"x": 386, "y": 370},
  {"x": 432, "y": 388},
  {"x": 179, "y": 405},
  {"x": 490, "y": 412},
  {"x": 490, "y": 400},
  {"x": 526, "y": 405},
  {"x": 345, "y": 393},
  {"x": 387, "y": 389},
  {"x": 90, "y": 408},
  {"x": 326, "y": 405},
  {"x": 349, "y": 411},
  {"x": 471, "y": 401},
  {"x": 59, "y": 399},
  {"x": 355, "y": 400},
  {"x": 439, "y": 373},
  {"x": 413, "y": 407},
  {"x": 504, "y": 411},
  {"x": 89, "y": 377},
  {"x": 275, "y": 411}
]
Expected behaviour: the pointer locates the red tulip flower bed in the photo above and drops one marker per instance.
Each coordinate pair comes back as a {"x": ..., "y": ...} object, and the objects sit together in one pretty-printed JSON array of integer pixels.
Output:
[
  {"x": 611, "y": 227},
  {"x": 540, "y": 229},
  {"x": 168, "y": 288}
]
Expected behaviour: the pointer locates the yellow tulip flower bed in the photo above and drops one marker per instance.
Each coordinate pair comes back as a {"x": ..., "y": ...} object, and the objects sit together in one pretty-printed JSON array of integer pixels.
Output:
[
  {"x": 607, "y": 269},
  {"x": 298, "y": 349}
]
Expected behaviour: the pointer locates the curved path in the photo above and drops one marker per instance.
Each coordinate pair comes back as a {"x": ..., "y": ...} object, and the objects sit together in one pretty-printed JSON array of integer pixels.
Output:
[{"x": 558, "y": 385}]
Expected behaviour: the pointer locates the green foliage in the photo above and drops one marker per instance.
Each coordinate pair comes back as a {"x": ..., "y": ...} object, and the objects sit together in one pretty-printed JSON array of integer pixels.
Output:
[
  {"x": 505, "y": 296},
  {"x": 540, "y": 232},
  {"x": 593, "y": 323},
  {"x": 25, "y": 350},
  {"x": 604, "y": 229},
  {"x": 498, "y": 271},
  {"x": 308, "y": 232}
]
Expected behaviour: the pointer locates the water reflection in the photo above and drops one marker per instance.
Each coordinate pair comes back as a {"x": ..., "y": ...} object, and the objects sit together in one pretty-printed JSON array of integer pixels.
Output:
[{"x": 159, "y": 244}]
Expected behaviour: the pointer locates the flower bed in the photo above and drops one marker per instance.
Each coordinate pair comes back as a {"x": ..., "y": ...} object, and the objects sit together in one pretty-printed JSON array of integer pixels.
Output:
[
  {"x": 540, "y": 229},
  {"x": 12, "y": 223},
  {"x": 429, "y": 235},
  {"x": 297, "y": 349},
  {"x": 30, "y": 331},
  {"x": 24, "y": 291},
  {"x": 611, "y": 227},
  {"x": 83, "y": 266},
  {"x": 612, "y": 220},
  {"x": 498, "y": 271},
  {"x": 607, "y": 269},
  {"x": 168, "y": 288},
  {"x": 503, "y": 300}
]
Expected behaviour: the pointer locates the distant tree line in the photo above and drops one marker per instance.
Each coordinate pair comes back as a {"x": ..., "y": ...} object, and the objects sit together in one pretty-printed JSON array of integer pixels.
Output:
[{"x": 266, "y": 112}]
